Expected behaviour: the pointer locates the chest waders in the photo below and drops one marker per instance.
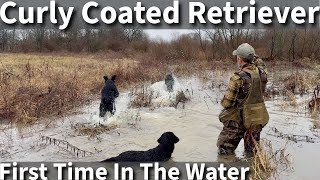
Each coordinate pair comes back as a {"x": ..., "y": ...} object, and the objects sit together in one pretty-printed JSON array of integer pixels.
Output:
[{"x": 252, "y": 108}]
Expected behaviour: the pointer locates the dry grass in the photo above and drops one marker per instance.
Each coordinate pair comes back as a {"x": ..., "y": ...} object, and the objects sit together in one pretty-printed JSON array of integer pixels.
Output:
[
  {"x": 37, "y": 86},
  {"x": 289, "y": 101},
  {"x": 316, "y": 124},
  {"x": 46, "y": 85},
  {"x": 180, "y": 98},
  {"x": 267, "y": 163},
  {"x": 314, "y": 104},
  {"x": 141, "y": 97},
  {"x": 299, "y": 82},
  {"x": 93, "y": 131}
]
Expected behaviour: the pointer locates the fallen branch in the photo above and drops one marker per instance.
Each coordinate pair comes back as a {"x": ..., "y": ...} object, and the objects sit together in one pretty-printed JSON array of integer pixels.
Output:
[
  {"x": 294, "y": 138},
  {"x": 66, "y": 145}
]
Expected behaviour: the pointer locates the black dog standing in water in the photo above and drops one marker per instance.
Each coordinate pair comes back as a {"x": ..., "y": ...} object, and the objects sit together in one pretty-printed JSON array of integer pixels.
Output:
[
  {"x": 169, "y": 81},
  {"x": 108, "y": 94},
  {"x": 158, "y": 154}
]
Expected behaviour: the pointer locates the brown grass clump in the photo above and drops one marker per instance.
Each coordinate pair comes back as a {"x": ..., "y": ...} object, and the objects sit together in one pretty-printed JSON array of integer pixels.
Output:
[
  {"x": 134, "y": 119},
  {"x": 299, "y": 83},
  {"x": 314, "y": 104},
  {"x": 316, "y": 124},
  {"x": 180, "y": 98},
  {"x": 266, "y": 163},
  {"x": 291, "y": 98},
  {"x": 93, "y": 131},
  {"x": 141, "y": 97},
  {"x": 262, "y": 164}
]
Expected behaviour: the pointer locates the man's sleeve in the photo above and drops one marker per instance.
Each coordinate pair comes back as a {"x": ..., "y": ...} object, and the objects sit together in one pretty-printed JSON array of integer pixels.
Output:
[
  {"x": 260, "y": 64},
  {"x": 230, "y": 97},
  {"x": 263, "y": 74}
]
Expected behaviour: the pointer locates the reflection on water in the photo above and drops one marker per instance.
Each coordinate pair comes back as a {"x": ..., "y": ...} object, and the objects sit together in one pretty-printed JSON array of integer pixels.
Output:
[
  {"x": 197, "y": 126},
  {"x": 229, "y": 158}
]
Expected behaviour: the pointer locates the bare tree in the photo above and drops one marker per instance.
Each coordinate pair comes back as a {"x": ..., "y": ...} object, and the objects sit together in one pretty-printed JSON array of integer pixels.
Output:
[
  {"x": 292, "y": 46},
  {"x": 133, "y": 34},
  {"x": 213, "y": 35},
  {"x": 4, "y": 39},
  {"x": 199, "y": 36},
  {"x": 39, "y": 34}
]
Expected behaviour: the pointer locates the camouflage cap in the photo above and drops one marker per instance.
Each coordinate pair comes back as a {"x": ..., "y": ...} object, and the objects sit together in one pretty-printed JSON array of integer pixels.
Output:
[{"x": 245, "y": 50}]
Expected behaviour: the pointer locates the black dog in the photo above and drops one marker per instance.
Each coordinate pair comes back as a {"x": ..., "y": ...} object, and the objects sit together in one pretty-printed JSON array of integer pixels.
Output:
[
  {"x": 108, "y": 94},
  {"x": 169, "y": 81},
  {"x": 158, "y": 154}
]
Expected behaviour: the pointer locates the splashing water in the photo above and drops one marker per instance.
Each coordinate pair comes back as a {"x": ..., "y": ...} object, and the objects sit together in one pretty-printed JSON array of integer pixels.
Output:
[
  {"x": 197, "y": 126},
  {"x": 121, "y": 106},
  {"x": 164, "y": 98}
]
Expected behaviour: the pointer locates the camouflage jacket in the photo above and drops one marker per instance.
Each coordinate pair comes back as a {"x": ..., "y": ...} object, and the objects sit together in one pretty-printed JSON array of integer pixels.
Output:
[{"x": 237, "y": 89}]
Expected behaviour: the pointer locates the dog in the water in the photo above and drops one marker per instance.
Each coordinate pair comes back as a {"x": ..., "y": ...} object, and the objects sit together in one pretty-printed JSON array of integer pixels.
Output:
[
  {"x": 169, "y": 81},
  {"x": 160, "y": 153},
  {"x": 108, "y": 95}
]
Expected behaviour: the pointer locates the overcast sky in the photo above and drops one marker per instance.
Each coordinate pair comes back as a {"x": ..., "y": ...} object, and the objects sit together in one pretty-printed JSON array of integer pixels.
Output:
[{"x": 166, "y": 34}]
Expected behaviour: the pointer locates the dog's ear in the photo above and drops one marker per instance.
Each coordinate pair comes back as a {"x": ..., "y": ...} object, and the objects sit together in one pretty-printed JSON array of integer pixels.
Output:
[
  {"x": 113, "y": 78},
  {"x": 162, "y": 139},
  {"x": 168, "y": 137},
  {"x": 105, "y": 78}
]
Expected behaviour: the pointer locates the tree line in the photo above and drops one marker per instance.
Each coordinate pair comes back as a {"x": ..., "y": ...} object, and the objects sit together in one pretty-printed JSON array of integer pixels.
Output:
[{"x": 199, "y": 44}]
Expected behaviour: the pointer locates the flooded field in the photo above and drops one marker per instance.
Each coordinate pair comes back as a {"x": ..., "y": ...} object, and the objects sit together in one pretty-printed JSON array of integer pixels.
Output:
[{"x": 197, "y": 125}]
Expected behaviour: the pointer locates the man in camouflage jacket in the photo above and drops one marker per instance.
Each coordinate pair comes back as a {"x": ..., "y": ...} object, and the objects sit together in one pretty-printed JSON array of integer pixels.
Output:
[{"x": 237, "y": 91}]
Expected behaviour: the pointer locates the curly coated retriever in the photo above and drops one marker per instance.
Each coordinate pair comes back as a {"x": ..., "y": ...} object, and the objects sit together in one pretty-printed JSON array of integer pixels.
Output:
[
  {"x": 108, "y": 94},
  {"x": 169, "y": 81},
  {"x": 158, "y": 154}
]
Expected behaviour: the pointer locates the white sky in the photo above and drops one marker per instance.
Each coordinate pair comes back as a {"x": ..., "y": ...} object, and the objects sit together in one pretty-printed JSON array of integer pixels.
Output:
[{"x": 165, "y": 34}]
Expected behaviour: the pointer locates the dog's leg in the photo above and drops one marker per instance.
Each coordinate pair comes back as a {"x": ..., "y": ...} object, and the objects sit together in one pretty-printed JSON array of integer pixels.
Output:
[
  {"x": 102, "y": 109},
  {"x": 114, "y": 108}
]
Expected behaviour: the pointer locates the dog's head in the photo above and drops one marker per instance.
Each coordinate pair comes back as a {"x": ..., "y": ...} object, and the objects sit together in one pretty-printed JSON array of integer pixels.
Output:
[
  {"x": 113, "y": 78},
  {"x": 168, "y": 138}
]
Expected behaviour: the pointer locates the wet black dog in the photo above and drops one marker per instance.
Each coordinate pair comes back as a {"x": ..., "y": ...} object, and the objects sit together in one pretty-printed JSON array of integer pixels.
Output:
[
  {"x": 169, "y": 81},
  {"x": 158, "y": 154},
  {"x": 108, "y": 94}
]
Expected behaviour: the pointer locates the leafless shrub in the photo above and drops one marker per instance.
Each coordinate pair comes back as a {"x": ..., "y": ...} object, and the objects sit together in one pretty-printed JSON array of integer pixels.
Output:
[
  {"x": 272, "y": 91},
  {"x": 141, "y": 97},
  {"x": 299, "y": 83},
  {"x": 316, "y": 124},
  {"x": 134, "y": 120},
  {"x": 314, "y": 104},
  {"x": 4, "y": 153},
  {"x": 93, "y": 131},
  {"x": 180, "y": 98},
  {"x": 267, "y": 163},
  {"x": 291, "y": 98}
]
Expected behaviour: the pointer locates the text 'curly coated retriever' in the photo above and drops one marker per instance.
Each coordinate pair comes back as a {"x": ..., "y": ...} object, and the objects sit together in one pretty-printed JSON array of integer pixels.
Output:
[
  {"x": 158, "y": 154},
  {"x": 108, "y": 94}
]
